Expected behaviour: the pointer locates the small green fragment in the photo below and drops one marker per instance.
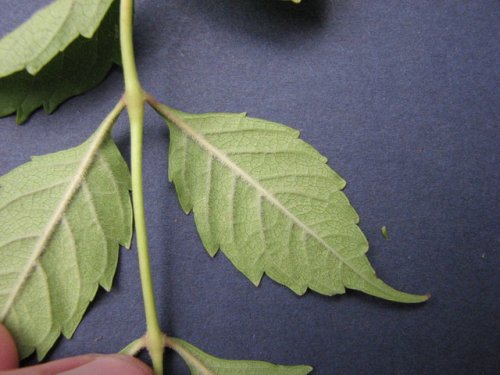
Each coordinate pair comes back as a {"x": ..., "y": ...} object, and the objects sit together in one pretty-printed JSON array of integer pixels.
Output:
[{"x": 384, "y": 232}]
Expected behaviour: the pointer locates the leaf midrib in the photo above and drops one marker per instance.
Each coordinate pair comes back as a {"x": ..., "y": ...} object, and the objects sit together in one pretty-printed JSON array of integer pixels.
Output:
[{"x": 176, "y": 345}]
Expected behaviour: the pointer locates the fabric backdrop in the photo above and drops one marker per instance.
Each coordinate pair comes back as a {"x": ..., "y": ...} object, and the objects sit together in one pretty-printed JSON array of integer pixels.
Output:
[{"x": 401, "y": 96}]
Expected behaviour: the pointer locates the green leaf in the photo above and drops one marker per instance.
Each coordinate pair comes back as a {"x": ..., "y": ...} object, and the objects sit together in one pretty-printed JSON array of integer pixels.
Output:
[
  {"x": 50, "y": 30},
  {"x": 62, "y": 218},
  {"x": 201, "y": 363},
  {"x": 270, "y": 203},
  {"x": 64, "y": 50}
]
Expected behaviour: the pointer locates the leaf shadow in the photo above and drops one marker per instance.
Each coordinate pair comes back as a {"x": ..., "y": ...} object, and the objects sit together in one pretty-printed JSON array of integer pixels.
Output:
[
  {"x": 276, "y": 20},
  {"x": 282, "y": 24}
]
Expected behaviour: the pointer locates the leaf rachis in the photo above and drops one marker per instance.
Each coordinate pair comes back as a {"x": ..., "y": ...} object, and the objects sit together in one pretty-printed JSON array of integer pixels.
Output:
[{"x": 258, "y": 193}]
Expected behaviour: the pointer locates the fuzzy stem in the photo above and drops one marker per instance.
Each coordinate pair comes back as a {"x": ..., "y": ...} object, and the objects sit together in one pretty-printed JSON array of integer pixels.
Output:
[{"x": 134, "y": 97}]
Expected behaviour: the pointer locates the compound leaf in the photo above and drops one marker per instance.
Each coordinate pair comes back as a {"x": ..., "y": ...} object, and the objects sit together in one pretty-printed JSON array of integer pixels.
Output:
[
  {"x": 63, "y": 50},
  {"x": 201, "y": 363},
  {"x": 270, "y": 203},
  {"x": 62, "y": 218}
]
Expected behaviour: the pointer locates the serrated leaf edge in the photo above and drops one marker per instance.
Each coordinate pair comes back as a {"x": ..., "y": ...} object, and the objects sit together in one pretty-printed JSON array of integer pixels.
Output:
[
  {"x": 88, "y": 32},
  {"x": 96, "y": 141},
  {"x": 171, "y": 115}
]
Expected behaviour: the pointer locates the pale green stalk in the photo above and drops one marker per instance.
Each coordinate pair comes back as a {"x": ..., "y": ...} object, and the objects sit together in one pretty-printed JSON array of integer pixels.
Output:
[
  {"x": 134, "y": 98},
  {"x": 134, "y": 347}
]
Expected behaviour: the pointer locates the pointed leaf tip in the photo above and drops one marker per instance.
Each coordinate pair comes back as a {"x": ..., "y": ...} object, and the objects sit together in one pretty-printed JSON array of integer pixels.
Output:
[{"x": 201, "y": 363}]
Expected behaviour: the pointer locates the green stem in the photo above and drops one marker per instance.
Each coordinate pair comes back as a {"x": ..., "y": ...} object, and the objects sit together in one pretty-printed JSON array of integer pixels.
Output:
[
  {"x": 134, "y": 347},
  {"x": 134, "y": 97}
]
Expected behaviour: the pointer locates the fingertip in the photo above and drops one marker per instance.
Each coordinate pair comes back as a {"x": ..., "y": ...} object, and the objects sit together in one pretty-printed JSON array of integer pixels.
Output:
[{"x": 9, "y": 358}]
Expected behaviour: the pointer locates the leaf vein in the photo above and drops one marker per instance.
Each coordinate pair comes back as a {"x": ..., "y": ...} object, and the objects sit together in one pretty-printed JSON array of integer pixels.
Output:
[{"x": 33, "y": 192}]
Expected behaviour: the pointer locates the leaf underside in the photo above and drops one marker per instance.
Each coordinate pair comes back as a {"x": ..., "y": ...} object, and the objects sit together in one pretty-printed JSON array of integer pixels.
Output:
[
  {"x": 62, "y": 218},
  {"x": 271, "y": 204},
  {"x": 201, "y": 363},
  {"x": 64, "y": 50}
]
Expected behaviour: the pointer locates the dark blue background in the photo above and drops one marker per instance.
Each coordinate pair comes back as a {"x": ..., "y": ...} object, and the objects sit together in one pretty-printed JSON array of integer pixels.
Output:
[{"x": 401, "y": 96}]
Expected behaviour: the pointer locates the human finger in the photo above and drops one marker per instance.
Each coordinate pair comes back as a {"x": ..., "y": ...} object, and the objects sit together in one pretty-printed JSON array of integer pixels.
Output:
[
  {"x": 112, "y": 365},
  {"x": 54, "y": 367},
  {"x": 8, "y": 350}
]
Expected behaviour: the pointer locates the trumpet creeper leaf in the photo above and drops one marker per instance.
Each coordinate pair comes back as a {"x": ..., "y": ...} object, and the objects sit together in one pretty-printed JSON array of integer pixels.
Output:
[
  {"x": 270, "y": 203},
  {"x": 63, "y": 50},
  {"x": 62, "y": 218}
]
